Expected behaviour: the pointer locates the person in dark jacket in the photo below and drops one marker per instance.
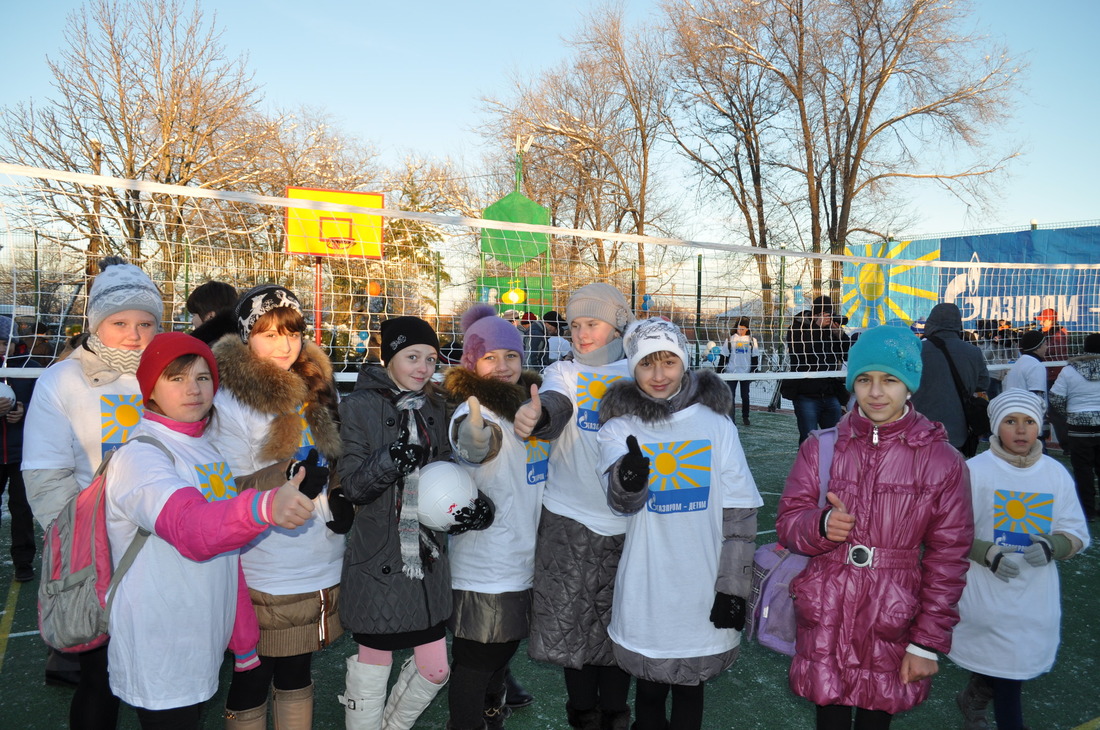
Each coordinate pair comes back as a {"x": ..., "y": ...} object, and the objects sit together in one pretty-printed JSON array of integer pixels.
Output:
[
  {"x": 888, "y": 552},
  {"x": 396, "y": 579},
  {"x": 211, "y": 306},
  {"x": 937, "y": 397},
  {"x": 12, "y": 355},
  {"x": 815, "y": 342}
]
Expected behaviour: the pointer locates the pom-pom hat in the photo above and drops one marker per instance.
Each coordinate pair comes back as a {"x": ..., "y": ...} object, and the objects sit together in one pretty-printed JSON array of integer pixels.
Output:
[
  {"x": 401, "y": 332},
  {"x": 165, "y": 348},
  {"x": 121, "y": 287},
  {"x": 647, "y": 336},
  {"x": 484, "y": 332},
  {"x": 887, "y": 349}
]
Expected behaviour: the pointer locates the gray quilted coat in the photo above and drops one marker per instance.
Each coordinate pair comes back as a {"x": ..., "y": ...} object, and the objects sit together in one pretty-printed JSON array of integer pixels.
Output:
[{"x": 377, "y": 597}]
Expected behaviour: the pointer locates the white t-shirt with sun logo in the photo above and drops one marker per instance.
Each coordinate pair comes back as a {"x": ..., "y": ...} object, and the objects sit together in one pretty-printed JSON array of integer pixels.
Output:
[
  {"x": 574, "y": 488},
  {"x": 280, "y": 561},
  {"x": 1011, "y": 630},
  {"x": 664, "y": 587},
  {"x": 172, "y": 617},
  {"x": 71, "y": 425},
  {"x": 501, "y": 559}
]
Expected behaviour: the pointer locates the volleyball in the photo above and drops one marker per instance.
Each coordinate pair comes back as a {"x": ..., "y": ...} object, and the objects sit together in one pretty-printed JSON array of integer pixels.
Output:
[{"x": 445, "y": 488}]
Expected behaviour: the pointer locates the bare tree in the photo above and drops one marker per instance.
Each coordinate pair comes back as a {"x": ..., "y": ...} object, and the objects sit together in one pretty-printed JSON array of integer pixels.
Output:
[
  {"x": 870, "y": 92},
  {"x": 143, "y": 91},
  {"x": 596, "y": 122}
]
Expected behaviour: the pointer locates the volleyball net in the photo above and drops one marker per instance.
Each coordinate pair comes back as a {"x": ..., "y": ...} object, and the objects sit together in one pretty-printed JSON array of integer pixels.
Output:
[{"x": 355, "y": 259}]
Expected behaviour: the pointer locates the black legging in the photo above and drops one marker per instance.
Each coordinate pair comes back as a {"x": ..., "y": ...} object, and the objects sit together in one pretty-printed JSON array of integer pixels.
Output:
[
  {"x": 477, "y": 671},
  {"x": 93, "y": 707},
  {"x": 649, "y": 706},
  {"x": 745, "y": 384},
  {"x": 178, "y": 718},
  {"x": 839, "y": 717},
  {"x": 249, "y": 689},
  {"x": 592, "y": 687}
]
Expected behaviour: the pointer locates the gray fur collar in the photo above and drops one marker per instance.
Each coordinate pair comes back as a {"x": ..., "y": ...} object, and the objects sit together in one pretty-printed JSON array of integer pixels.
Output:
[{"x": 700, "y": 386}]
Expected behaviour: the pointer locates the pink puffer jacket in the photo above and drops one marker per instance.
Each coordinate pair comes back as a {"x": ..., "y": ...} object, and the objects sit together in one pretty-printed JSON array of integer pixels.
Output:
[{"x": 910, "y": 493}]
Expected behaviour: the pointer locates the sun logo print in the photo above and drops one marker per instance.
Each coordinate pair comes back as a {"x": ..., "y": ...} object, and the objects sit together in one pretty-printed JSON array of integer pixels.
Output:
[
  {"x": 307, "y": 441},
  {"x": 679, "y": 476},
  {"x": 590, "y": 390},
  {"x": 538, "y": 460},
  {"x": 216, "y": 481},
  {"x": 877, "y": 293},
  {"x": 1019, "y": 515},
  {"x": 118, "y": 415}
]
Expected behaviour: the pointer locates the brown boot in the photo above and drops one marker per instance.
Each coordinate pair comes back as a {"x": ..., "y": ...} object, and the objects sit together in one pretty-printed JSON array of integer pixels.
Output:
[
  {"x": 293, "y": 708},
  {"x": 254, "y": 718}
]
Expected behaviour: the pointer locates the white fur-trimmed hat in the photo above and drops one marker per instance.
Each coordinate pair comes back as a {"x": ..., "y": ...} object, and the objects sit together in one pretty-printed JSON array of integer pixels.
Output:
[{"x": 656, "y": 334}]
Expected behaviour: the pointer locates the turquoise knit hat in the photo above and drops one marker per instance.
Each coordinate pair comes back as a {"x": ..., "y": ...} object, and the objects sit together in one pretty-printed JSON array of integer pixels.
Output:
[{"x": 894, "y": 350}]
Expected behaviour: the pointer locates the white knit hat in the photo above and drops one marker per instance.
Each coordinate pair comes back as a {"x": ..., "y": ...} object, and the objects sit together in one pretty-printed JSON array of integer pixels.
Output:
[
  {"x": 121, "y": 287},
  {"x": 647, "y": 336},
  {"x": 1015, "y": 400}
]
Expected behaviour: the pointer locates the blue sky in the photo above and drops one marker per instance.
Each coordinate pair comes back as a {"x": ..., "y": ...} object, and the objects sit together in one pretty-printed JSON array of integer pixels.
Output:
[{"x": 409, "y": 77}]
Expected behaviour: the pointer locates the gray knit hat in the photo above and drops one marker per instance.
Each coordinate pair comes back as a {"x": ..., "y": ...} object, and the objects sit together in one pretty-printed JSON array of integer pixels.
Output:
[
  {"x": 1015, "y": 400},
  {"x": 600, "y": 301},
  {"x": 120, "y": 287}
]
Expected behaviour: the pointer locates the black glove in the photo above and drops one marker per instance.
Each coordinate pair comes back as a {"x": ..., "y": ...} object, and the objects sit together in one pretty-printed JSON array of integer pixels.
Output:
[
  {"x": 633, "y": 467},
  {"x": 477, "y": 517},
  {"x": 343, "y": 512},
  {"x": 316, "y": 476},
  {"x": 728, "y": 612},
  {"x": 406, "y": 457}
]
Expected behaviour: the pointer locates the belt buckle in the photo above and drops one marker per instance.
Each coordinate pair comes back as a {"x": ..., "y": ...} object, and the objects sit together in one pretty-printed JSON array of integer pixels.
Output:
[{"x": 861, "y": 556}]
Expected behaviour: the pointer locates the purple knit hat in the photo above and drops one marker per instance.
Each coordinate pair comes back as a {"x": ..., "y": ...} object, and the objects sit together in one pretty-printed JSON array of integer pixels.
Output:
[{"x": 484, "y": 332}]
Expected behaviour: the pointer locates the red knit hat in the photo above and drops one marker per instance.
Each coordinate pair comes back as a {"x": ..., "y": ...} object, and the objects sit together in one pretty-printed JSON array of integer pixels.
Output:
[{"x": 165, "y": 348}]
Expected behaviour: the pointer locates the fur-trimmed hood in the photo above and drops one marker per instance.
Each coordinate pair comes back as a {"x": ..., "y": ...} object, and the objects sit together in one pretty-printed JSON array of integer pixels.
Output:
[
  {"x": 267, "y": 388},
  {"x": 704, "y": 387},
  {"x": 503, "y": 399}
]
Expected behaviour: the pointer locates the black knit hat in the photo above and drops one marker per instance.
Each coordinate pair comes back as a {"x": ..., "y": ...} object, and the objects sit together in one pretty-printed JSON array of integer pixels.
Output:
[
  {"x": 401, "y": 332},
  {"x": 1031, "y": 340},
  {"x": 258, "y": 301}
]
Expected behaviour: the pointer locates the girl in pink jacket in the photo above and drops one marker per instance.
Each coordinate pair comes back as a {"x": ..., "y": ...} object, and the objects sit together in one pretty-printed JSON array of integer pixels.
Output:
[
  {"x": 876, "y": 604},
  {"x": 183, "y": 600}
]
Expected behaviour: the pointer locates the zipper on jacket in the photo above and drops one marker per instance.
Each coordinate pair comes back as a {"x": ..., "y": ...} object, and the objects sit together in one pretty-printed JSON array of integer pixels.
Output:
[
  {"x": 874, "y": 436},
  {"x": 322, "y": 624}
]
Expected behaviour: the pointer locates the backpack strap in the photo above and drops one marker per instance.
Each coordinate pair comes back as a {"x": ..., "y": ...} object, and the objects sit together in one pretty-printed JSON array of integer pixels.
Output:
[
  {"x": 139, "y": 539},
  {"x": 826, "y": 443}
]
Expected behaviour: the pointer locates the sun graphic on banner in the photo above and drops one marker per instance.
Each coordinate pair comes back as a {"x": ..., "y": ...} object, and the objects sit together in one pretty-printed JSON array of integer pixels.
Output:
[
  {"x": 119, "y": 414},
  {"x": 590, "y": 389},
  {"x": 1023, "y": 512},
  {"x": 216, "y": 481},
  {"x": 876, "y": 293},
  {"x": 678, "y": 464}
]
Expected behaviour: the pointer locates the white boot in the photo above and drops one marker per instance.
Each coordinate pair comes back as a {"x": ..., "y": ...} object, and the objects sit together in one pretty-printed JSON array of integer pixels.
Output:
[
  {"x": 409, "y": 698},
  {"x": 364, "y": 695}
]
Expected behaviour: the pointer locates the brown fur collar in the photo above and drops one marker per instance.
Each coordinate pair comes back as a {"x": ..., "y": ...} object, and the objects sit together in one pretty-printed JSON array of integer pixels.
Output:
[
  {"x": 267, "y": 388},
  {"x": 502, "y": 399},
  {"x": 625, "y": 398}
]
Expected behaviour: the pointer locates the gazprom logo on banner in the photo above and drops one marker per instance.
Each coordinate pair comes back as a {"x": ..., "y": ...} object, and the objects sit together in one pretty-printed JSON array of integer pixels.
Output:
[{"x": 963, "y": 291}]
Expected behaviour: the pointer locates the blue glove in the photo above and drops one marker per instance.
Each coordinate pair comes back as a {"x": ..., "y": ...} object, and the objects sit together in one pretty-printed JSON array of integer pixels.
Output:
[{"x": 1040, "y": 552}]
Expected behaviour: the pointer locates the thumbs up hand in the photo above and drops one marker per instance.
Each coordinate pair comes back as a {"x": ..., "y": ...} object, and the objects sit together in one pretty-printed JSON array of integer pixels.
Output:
[
  {"x": 528, "y": 415},
  {"x": 473, "y": 434},
  {"x": 839, "y": 523}
]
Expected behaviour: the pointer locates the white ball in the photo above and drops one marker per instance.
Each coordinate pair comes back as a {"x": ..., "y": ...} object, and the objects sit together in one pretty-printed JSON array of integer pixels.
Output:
[
  {"x": 6, "y": 392},
  {"x": 444, "y": 489}
]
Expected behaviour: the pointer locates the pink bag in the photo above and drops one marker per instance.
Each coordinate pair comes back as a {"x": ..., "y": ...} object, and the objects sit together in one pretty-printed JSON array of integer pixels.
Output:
[{"x": 771, "y": 607}]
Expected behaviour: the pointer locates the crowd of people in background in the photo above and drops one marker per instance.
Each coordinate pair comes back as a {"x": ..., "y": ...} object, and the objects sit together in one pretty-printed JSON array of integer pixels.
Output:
[{"x": 601, "y": 458}]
